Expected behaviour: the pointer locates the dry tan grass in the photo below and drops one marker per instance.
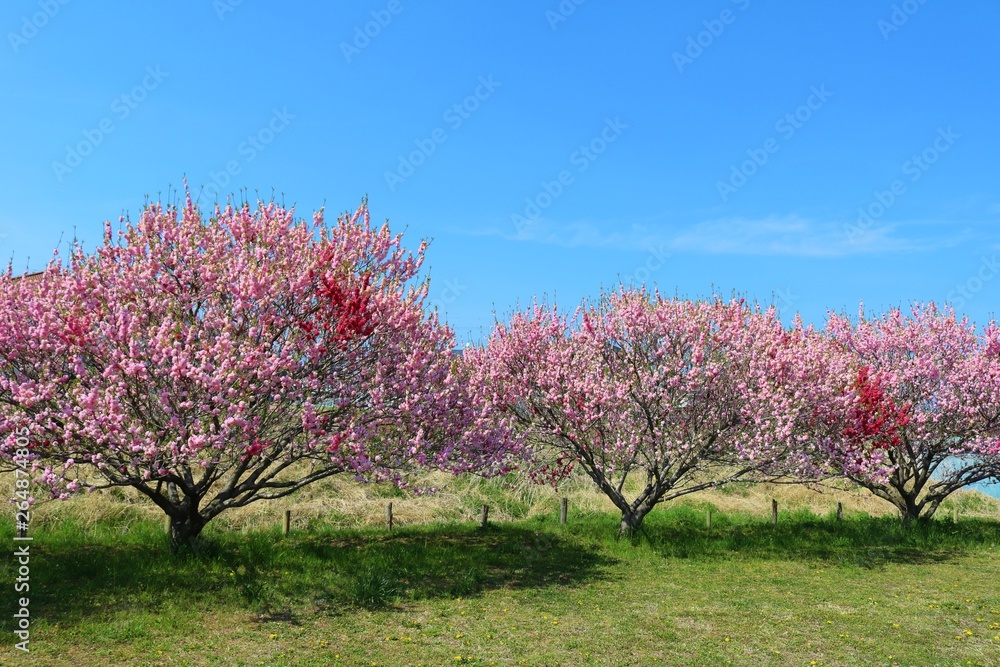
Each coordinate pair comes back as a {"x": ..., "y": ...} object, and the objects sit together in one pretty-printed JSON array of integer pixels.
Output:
[{"x": 346, "y": 503}]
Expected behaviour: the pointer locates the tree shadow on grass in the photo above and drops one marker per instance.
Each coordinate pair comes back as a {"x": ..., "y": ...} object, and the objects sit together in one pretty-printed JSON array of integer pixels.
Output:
[
  {"x": 459, "y": 562},
  {"x": 866, "y": 542},
  {"x": 75, "y": 579}
]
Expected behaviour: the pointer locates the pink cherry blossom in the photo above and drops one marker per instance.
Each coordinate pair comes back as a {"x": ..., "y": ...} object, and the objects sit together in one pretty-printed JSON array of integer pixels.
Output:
[
  {"x": 677, "y": 395},
  {"x": 211, "y": 362},
  {"x": 938, "y": 410}
]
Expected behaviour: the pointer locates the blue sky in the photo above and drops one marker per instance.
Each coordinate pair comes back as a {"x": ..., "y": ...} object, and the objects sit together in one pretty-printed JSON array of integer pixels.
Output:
[{"x": 814, "y": 154}]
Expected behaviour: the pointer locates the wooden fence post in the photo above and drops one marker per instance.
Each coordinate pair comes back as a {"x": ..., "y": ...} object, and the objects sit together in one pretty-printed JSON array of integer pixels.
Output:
[
  {"x": 563, "y": 510},
  {"x": 840, "y": 511},
  {"x": 774, "y": 511},
  {"x": 708, "y": 519},
  {"x": 954, "y": 515},
  {"x": 287, "y": 523},
  {"x": 388, "y": 517},
  {"x": 486, "y": 514}
]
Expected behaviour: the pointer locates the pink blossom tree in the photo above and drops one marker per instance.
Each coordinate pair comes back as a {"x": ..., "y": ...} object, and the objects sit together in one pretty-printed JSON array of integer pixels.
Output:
[
  {"x": 678, "y": 395},
  {"x": 928, "y": 393},
  {"x": 214, "y": 363}
]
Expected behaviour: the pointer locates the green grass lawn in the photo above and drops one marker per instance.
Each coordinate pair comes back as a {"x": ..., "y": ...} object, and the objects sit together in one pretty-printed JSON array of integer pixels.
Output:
[{"x": 810, "y": 591}]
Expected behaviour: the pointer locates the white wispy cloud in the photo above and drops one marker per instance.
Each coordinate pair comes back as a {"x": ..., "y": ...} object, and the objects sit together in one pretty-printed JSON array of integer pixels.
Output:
[{"x": 789, "y": 235}]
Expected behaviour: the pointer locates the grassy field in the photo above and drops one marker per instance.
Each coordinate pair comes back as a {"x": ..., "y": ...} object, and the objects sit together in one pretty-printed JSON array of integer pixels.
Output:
[{"x": 811, "y": 591}]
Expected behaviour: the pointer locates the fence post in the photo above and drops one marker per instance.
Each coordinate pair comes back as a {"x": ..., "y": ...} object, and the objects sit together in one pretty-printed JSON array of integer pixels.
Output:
[
  {"x": 287, "y": 523},
  {"x": 486, "y": 514},
  {"x": 774, "y": 512},
  {"x": 954, "y": 515},
  {"x": 563, "y": 510},
  {"x": 708, "y": 519},
  {"x": 840, "y": 511},
  {"x": 388, "y": 517}
]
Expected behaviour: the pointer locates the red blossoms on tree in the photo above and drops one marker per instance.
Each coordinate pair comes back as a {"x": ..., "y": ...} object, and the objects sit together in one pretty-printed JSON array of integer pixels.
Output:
[
  {"x": 875, "y": 417},
  {"x": 347, "y": 316}
]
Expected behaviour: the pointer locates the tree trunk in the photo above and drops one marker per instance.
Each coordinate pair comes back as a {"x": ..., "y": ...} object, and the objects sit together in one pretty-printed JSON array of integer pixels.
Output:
[
  {"x": 909, "y": 509},
  {"x": 184, "y": 531},
  {"x": 632, "y": 520}
]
